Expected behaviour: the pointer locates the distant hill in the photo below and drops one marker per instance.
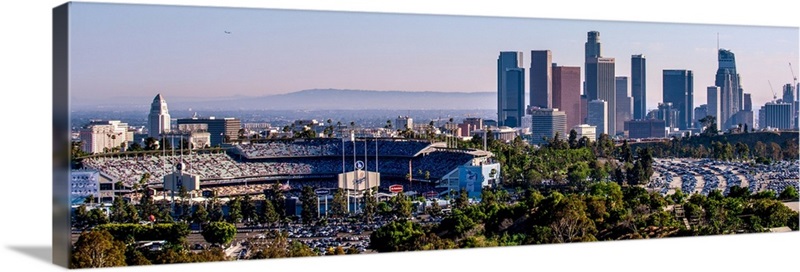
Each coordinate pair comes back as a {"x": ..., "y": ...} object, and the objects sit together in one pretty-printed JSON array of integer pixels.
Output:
[{"x": 337, "y": 99}]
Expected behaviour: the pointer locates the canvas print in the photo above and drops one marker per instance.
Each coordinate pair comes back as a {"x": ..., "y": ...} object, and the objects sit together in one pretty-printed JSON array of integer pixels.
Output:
[{"x": 207, "y": 134}]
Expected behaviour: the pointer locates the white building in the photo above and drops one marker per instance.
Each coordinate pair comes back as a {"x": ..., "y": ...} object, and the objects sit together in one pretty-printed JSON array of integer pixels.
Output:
[
  {"x": 403, "y": 122},
  {"x": 586, "y": 130},
  {"x": 158, "y": 120},
  {"x": 105, "y": 136}
]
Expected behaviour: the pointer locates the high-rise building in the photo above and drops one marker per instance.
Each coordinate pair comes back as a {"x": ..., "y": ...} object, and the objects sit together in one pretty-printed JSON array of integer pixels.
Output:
[
  {"x": 403, "y": 122},
  {"x": 592, "y": 45},
  {"x": 639, "y": 86},
  {"x": 762, "y": 118},
  {"x": 670, "y": 115},
  {"x": 748, "y": 102},
  {"x": 778, "y": 115},
  {"x": 731, "y": 93},
  {"x": 567, "y": 93},
  {"x": 714, "y": 103},
  {"x": 699, "y": 113},
  {"x": 541, "y": 76},
  {"x": 221, "y": 130},
  {"x": 584, "y": 108},
  {"x": 788, "y": 97},
  {"x": 601, "y": 85},
  {"x": 678, "y": 89},
  {"x": 598, "y": 116},
  {"x": 623, "y": 110},
  {"x": 510, "y": 89},
  {"x": 158, "y": 121},
  {"x": 545, "y": 123}
]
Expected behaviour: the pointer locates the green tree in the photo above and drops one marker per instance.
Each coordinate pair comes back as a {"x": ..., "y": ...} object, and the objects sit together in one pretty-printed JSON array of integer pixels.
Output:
[
  {"x": 119, "y": 211},
  {"x": 396, "y": 236},
  {"x": 235, "y": 210},
  {"x": 200, "y": 216},
  {"x": 268, "y": 213},
  {"x": 218, "y": 232},
  {"x": 95, "y": 249},
  {"x": 790, "y": 193},
  {"x": 309, "y": 199},
  {"x": 249, "y": 211},
  {"x": 370, "y": 205},
  {"x": 215, "y": 213},
  {"x": 401, "y": 205},
  {"x": 462, "y": 199},
  {"x": 339, "y": 204}
]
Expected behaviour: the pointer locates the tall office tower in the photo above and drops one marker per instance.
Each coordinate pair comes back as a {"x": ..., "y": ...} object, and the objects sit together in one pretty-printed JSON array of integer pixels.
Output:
[
  {"x": 541, "y": 76},
  {"x": 678, "y": 89},
  {"x": 592, "y": 45},
  {"x": 158, "y": 119},
  {"x": 510, "y": 89},
  {"x": 567, "y": 93},
  {"x": 584, "y": 108},
  {"x": 714, "y": 103},
  {"x": 788, "y": 97},
  {"x": 598, "y": 116},
  {"x": 639, "y": 86},
  {"x": 669, "y": 114},
  {"x": 748, "y": 102},
  {"x": 623, "y": 110},
  {"x": 778, "y": 115},
  {"x": 601, "y": 85},
  {"x": 700, "y": 112},
  {"x": 762, "y": 118},
  {"x": 545, "y": 123},
  {"x": 727, "y": 79}
]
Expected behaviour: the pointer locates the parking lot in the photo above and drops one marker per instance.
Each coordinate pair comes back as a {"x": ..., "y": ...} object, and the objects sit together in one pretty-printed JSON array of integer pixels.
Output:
[{"x": 704, "y": 175}]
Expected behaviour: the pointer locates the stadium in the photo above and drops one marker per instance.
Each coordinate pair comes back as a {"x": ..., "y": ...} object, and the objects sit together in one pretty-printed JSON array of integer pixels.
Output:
[{"x": 248, "y": 168}]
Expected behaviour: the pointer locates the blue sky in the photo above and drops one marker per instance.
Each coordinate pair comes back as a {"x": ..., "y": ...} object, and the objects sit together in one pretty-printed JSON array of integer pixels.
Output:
[{"x": 136, "y": 51}]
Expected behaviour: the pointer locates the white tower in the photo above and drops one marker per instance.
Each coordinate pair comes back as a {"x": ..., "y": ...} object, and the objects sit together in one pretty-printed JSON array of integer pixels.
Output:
[{"x": 158, "y": 120}]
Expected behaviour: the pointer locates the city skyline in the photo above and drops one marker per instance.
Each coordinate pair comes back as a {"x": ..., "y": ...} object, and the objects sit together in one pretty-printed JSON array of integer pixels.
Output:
[{"x": 187, "y": 57}]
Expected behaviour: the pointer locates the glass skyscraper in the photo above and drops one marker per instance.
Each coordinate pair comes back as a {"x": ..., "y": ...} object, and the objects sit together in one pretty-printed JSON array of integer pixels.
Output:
[
  {"x": 541, "y": 71},
  {"x": 731, "y": 93},
  {"x": 678, "y": 89},
  {"x": 639, "y": 86},
  {"x": 510, "y": 89},
  {"x": 600, "y": 80}
]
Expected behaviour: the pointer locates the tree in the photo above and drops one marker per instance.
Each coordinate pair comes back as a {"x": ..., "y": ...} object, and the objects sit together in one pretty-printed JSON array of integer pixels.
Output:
[
  {"x": 268, "y": 213},
  {"x": 215, "y": 214},
  {"x": 401, "y": 205},
  {"x": 185, "y": 204},
  {"x": 573, "y": 138},
  {"x": 235, "y": 210},
  {"x": 709, "y": 125},
  {"x": 462, "y": 199},
  {"x": 790, "y": 193},
  {"x": 249, "y": 212},
  {"x": 370, "y": 205},
  {"x": 396, "y": 236},
  {"x": 775, "y": 151},
  {"x": 275, "y": 194},
  {"x": 218, "y": 232},
  {"x": 339, "y": 204},
  {"x": 200, "y": 216},
  {"x": 309, "y": 199},
  {"x": 97, "y": 248},
  {"x": 119, "y": 211},
  {"x": 760, "y": 149}
]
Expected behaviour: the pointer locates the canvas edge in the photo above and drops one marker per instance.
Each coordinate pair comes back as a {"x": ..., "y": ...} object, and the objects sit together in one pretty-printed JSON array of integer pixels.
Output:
[{"x": 61, "y": 246}]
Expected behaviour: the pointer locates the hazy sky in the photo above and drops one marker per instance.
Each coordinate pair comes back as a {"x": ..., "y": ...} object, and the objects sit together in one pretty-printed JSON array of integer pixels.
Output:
[{"x": 136, "y": 51}]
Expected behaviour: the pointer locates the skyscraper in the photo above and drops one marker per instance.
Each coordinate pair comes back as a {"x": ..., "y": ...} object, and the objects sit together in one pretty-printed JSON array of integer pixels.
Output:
[
  {"x": 567, "y": 93},
  {"x": 598, "y": 114},
  {"x": 541, "y": 94},
  {"x": 510, "y": 89},
  {"x": 158, "y": 121},
  {"x": 639, "y": 86},
  {"x": 778, "y": 115},
  {"x": 592, "y": 45},
  {"x": 623, "y": 110},
  {"x": 601, "y": 85},
  {"x": 731, "y": 93},
  {"x": 678, "y": 89},
  {"x": 713, "y": 108}
]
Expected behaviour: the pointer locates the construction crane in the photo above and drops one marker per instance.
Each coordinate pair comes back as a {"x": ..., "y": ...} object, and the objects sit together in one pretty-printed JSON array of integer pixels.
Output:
[
  {"x": 774, "y": 96},
  {"x": 793, "y": 76}
]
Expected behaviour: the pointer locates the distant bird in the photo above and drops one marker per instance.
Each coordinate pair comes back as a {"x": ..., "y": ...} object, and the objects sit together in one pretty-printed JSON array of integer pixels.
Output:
[{"x": 227, "y": 32}]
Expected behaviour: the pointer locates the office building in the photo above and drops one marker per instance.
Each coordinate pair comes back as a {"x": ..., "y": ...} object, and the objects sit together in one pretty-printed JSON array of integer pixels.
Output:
[
  {"x": 584, "y": 108},
  {"x": 584, "y": 130},
  {"x": 679, "y": 91},
  {"x": 510, "y": 89},
  {"x": 403, "y": 122},
  {"x": 598, "y": 116},
  {"x": 639, "y": 86},
  {"x": 731, "y": 93},
  {"x": 623, "y": 110},
  {"x": 669, "y": 114},
  {"x": 221, "y": 130},
  {"x": 788, "y": 97},
  {"x": 541, "y": 86},
  {"x": 714, "y": 103},
  {"x": 158, "y": 121},
  {"x": 546, "y": 123},
  {"x": 105, "y": 136},
  {"x": 646, "y": 128},
  {"x": 600, "y": 79},
  {"x": 778, "y": 115},
  {"x": 700, "y": 112},
  {"x": 567, "y": 93}
]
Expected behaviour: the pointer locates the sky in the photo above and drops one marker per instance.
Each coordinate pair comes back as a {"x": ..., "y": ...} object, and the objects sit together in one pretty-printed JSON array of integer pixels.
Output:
[{"x": 135, "y": 51}]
